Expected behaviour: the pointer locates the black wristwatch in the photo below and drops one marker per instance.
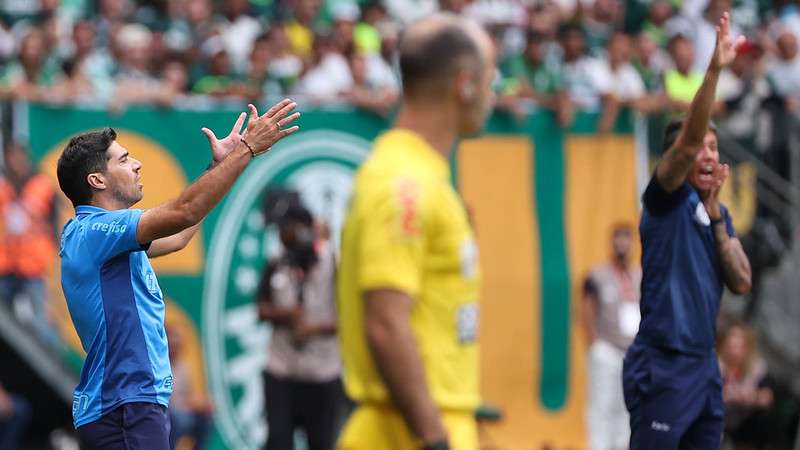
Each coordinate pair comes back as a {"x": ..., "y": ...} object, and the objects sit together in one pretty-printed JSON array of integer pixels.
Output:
[
  {"x": 441, "y": 445},
  {"x": 721, "y": 219}
]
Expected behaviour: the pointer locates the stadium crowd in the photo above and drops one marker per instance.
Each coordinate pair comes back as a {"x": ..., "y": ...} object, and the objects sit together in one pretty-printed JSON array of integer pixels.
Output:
[{"x": 565, "y": 55}]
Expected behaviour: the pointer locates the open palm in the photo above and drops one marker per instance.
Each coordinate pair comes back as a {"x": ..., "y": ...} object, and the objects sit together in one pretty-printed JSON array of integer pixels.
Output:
[
  {"x": 726, "y": 47},
  {"x": 221, "y": 147}
]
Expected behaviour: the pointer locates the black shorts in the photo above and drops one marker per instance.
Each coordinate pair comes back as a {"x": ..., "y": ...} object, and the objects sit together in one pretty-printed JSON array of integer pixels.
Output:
[{"x": 130, "y": 426}]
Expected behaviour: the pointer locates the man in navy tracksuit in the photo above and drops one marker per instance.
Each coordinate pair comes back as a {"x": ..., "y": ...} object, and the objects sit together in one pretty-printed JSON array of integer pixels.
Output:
[{"x": 671, "y": 377}]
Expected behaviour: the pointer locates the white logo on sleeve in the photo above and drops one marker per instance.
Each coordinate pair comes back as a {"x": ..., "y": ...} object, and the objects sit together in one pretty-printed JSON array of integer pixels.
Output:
[
  {"x": 151, "y": 282},
  {"x": 660, "y": 426},
  {"x": 80, "y": 402}
]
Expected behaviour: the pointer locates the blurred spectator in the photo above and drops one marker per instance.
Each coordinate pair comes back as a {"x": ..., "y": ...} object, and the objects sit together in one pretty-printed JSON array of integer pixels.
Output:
[
  {"x": 238, "y": 31},
  {"x": 113, "y": 14},
  {"x": 529, "y": 77},
  {"x": 190, "y": 417},
  {"x": 650, "y": 61},
  {"x": 369, "y": 94},
  {"x": 544, "y": 18},
  {"x": 219, "y": 79},
  {"x": 745, "y": 390},
  {"x": 705, "y": 33},
  {"x": 659, "y": 13},
  {"x": 740, "y": 92},
  {"x": 188, "y": 31},
  {"x": 296, "y": 295},
  {"x": 378, "y": 66},
  {"x": 345, "y": 15},
  {"x": 681, "y": 82},
  {"x": 29, "y": 78},
  {"x": 300, "y": 27},
  {"x": 284, "y": 66},
  {"x": 627, "y": 88},
  {"x": 135, "y": 81},
  {"x": 259, "y": 81},
  {"x": 175, "y": 77},
  {"x": 158, "y": 15},
  {"x": 784, "y": 70},
  {"x": 611, "y": 320},
  {"x": 603, "y": 18},
  {"x": 72, "y": 86},
  {"x": 27, "y": 236},
  {"x": 366, "y": 36},
  {"x": 407, "y": 11},
  {"x": 57, "y": 28},
  {"x": 329, "y": 75},
  {"x": 586, "y": 80},
  {"x": 700, "y": 29},
  {"x": 134, "y": 41},
  {"x": 15, "y": 412},
  {"x": 91, "y": 62},
  {"x": 496, "y": 12}
]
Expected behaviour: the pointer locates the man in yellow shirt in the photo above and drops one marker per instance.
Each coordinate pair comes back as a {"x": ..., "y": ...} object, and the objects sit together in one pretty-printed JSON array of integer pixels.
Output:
[{"x": 409, "y": 278}]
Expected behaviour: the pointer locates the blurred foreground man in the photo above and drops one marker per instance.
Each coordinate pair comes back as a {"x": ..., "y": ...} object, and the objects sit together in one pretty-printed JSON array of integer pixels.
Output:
[
  {"x": 671, "y": 377},
  {"x": 409, "y": 279}
]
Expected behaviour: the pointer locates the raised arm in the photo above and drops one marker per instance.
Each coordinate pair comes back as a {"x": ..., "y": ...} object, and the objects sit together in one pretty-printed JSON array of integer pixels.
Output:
[
  {"x": 220, "y": 148},
  {"x": 201, "y": 196},
  {"x": 674, "y": 166}
]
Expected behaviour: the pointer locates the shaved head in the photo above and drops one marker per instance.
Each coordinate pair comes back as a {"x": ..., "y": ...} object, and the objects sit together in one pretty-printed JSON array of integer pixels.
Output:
[{"x": 435, "y": 49}]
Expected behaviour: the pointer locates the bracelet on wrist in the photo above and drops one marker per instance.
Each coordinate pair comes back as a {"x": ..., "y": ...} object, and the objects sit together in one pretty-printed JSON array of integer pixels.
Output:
[{"x": 252, "y": 152}]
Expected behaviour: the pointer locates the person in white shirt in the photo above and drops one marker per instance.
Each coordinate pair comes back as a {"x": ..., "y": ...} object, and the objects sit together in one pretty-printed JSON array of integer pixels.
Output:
[
  {"x": 587, "y": 83},
  {"x": 783, "y": 71},
  {"x": 611, "y": 320},
  {"x": 627, "y": 89}
]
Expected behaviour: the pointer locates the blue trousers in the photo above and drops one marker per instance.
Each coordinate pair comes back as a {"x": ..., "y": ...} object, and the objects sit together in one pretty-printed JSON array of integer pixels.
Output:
[
  {"x": 131, "y": 426},
  {"x": 674, "y": 399}
]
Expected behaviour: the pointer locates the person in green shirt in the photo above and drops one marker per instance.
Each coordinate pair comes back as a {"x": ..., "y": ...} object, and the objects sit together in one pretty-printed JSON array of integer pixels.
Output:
[
  {"x": 530, "y": 78},
  {"x": 220, "y": 79}
]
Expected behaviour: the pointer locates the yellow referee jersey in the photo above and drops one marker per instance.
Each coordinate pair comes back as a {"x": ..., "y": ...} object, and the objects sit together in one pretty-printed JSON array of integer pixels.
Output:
[{"x": 407, "y": 229}]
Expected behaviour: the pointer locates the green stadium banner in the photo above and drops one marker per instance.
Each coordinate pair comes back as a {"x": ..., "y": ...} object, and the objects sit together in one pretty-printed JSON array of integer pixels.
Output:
[{"x": 543, "y": 202}]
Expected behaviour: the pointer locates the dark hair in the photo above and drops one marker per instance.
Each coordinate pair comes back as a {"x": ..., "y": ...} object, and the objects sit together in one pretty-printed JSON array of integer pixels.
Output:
[
  {"x": 569, "y": 28},
  {"x": 679, "y": 37},
  {"x": 674, "y": 129},
  {"x": 84, "y": 154},
  {"x": 535, "y": 37},
  {"x": 437, "y": 56}
]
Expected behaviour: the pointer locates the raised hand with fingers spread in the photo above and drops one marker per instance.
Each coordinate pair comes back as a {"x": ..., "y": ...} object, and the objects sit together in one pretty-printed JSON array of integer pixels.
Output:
[
  {"x": 265, "y": 130},
  {"x": 726, "y": 48},
  {"x": 221, "y": 147}
]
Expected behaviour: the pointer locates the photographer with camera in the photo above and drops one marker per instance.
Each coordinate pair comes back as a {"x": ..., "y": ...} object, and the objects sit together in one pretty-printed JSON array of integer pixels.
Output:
[{"x": 302, "y": 384}]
